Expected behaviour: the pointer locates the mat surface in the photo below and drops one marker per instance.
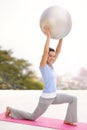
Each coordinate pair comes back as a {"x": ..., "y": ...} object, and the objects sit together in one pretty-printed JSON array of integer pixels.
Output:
[{"x": 47, "y": 123}]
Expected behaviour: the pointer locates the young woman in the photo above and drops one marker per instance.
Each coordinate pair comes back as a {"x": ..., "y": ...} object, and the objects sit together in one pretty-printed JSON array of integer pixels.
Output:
[{"x": 49, "y": 95}]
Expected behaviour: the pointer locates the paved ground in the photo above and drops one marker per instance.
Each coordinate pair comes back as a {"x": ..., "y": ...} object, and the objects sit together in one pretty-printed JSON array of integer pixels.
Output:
[{"x": 27, "y": 100}]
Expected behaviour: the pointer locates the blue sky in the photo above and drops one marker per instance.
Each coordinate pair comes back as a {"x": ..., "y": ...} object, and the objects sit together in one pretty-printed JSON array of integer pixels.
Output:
[{"x": 20, "y": 31}]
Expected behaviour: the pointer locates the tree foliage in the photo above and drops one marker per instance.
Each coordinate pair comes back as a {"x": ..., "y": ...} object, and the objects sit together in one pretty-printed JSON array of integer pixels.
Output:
[{"x": 16, "y": 73}]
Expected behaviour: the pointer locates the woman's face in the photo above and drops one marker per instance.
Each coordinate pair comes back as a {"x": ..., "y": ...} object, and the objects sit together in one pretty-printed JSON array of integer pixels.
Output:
[{"x": 51, "y": 57}]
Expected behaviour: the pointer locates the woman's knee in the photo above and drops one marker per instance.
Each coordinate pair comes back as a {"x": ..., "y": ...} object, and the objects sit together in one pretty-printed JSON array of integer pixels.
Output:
[{"x": 74, "y": 98}]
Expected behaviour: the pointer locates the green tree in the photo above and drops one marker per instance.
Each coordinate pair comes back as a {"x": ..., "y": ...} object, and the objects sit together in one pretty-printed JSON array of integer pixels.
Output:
[{"x": 17, "y": 73}]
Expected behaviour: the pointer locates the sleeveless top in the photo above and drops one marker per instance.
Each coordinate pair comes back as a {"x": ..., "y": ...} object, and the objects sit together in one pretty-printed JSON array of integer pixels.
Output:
[{"x": 49, "y": 80}]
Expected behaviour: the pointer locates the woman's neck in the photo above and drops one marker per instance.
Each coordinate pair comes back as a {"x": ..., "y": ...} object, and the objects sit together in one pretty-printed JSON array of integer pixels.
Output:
[{"x": 49, "y": 65}]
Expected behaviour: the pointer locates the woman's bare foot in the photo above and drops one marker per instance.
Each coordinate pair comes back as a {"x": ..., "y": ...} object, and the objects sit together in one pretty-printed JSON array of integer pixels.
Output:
[
  {"x": 69, "y": 123},
  {"x": 8, "y": 112}
]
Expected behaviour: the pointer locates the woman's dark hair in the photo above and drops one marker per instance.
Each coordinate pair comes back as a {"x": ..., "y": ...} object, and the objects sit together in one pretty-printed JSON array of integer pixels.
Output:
[{"x": 51, "y": 49}]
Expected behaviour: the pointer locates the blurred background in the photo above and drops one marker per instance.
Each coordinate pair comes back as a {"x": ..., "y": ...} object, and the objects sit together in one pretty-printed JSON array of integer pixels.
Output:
[{"x": 22, "y": 42}]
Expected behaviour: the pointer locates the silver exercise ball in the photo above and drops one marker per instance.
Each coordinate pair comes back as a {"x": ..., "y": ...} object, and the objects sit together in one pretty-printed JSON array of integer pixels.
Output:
[{"x": 58, "y": 20}]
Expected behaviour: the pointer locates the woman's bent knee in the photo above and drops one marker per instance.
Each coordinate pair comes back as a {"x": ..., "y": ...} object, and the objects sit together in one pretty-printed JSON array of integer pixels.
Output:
[{"x": 74, "y": 98}]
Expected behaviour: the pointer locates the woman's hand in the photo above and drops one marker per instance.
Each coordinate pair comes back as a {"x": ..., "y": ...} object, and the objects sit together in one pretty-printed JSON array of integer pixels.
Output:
[{"x": 47, "y": 31}]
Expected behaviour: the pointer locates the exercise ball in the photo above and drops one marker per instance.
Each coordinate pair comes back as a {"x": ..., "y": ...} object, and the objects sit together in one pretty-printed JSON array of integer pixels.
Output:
[{"x": 58, "y": 20}]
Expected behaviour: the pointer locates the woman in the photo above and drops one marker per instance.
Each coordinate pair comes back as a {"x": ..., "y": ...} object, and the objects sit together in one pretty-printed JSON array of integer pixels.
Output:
[{"x": 49, "y": 95}]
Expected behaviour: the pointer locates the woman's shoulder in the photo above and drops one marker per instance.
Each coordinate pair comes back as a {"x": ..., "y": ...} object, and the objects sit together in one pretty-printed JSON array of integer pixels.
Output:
[{"x": 42, "y": 67}]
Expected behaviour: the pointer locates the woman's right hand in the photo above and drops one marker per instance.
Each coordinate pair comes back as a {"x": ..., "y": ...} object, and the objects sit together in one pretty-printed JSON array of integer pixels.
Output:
[{"x": 47, "y": 31}]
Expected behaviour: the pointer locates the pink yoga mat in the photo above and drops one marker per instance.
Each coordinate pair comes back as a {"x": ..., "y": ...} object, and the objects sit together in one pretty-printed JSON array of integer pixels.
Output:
[{"x": 46, "y": 122}]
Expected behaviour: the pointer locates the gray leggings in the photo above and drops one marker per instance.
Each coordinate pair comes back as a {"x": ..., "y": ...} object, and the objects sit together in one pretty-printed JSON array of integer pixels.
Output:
[{"x": 43, "y": 104}]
